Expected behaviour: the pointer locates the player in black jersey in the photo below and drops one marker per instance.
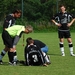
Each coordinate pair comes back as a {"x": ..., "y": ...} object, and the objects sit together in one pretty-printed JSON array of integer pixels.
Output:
[
  {"x": 64, "y": 20},
  {"x": 39, "y": 43},
  {"x": 8, "y": 22},
  {"x": 11, "y": 18}
]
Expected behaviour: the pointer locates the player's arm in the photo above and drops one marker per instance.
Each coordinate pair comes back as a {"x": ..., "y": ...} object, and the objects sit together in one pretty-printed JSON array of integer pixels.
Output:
[
  {"x": 26, "y": 55},
  {"x": 69, "y": 24},
  {"x": 54, "y": 22},
  {"x": 72, "y": 19},
  {"x": 54, "y": 18},
  {"x": 16, "y": 39},
  {"x": 58, "y": 24}
]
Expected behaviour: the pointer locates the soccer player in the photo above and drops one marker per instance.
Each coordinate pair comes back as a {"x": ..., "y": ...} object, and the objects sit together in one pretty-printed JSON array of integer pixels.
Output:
[
  {"x": 8, "y": 36},
  {"x": 41, "y": 46},
  {"x": 11, "y": 18},
  {"x": 39, "y": 43},
  {"x": 64, "y": 20},
  {"x": 9, "y": 21}
]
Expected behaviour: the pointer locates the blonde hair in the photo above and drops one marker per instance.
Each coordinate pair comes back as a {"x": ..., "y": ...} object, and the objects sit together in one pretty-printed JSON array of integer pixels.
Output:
[{"x": 29, "y": 28}]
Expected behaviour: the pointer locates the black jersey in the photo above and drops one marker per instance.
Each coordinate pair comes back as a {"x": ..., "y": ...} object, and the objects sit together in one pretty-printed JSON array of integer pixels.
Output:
[
  {"x": 33, "y": 55},
  {"x": 63, "y": 19},
  {"x": 9, "y": 21},
  {"x": 39, "y": 43}
]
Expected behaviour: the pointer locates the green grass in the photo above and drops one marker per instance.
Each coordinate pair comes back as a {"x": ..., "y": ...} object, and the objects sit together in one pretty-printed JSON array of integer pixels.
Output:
[{"x": 59, "y": 65}]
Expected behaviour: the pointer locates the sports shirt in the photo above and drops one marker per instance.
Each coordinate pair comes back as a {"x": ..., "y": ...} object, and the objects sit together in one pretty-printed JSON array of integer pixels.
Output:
[
  {"x": 63, "y": 19},
  {"x": 9, "y": 21},
  {"x": 15, "y": 30}
]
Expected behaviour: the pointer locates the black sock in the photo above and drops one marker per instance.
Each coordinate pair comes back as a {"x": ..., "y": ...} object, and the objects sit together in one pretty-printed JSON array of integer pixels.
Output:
[{"x": 11, "y": 56}]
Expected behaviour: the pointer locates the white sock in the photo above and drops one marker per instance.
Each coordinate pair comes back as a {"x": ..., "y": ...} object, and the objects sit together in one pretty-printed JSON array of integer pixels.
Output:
[
  {"x": 15, "y": 56},
  {"x": 71, "y": 50},
  {"x": 62, "y": 50},
  {"x": 46, "y": 58}
]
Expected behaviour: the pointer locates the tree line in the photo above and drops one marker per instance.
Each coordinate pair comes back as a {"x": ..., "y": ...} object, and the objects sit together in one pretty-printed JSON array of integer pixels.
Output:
[{"x": 34, "y": 10}]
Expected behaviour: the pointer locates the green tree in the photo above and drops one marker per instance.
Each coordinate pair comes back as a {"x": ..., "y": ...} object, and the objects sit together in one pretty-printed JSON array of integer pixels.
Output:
[{"x": 35, "y": 9}]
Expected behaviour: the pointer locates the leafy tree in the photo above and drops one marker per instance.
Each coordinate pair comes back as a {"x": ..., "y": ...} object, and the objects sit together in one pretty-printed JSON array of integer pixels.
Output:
[{"x": 35, "y": 9}]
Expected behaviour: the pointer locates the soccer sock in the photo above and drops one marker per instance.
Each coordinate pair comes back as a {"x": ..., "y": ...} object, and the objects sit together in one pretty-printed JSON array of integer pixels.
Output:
[
  {"x": 15, "y": 56},
  {"x": 61, "y": 47},
  {"x": 2, "y": 54},
  {"x": 10, "y": 55},
  {"x": 71, "y": 48},
  {"x": 46, "y": 57}
]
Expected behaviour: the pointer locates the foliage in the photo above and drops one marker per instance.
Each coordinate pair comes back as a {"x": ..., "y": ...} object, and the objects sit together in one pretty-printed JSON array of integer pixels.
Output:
[
  {"x": 39, "y": 26},
  {"x": 35, "y": 9},
  {"x": 36, "y": 12}
]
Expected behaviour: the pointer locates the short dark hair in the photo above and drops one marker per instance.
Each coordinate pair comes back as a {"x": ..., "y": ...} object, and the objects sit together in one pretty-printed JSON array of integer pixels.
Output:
[
  {"x": 17, "y": 11},
  {"x": 28, "y": 40},
  {"x": 62, "y": 5}
]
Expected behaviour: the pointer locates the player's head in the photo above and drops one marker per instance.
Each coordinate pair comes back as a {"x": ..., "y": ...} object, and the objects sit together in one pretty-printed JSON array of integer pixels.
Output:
[
  {"x": 28, "y": 29},
  {"x": 62, "y": 8},
  {"x": 17, "y": 13},
  {"x": 29, "y": 40}
]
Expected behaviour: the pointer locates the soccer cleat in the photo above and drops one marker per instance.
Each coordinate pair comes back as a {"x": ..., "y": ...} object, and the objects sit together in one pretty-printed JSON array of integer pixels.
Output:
[
  {"x": 63, "y": 54},
  {"x": 13, "y": 64},
  {"x": 48, "y": 63},
  {"x": 72, "y": 54},
  {"x": 45, "y": 65},
  {"x": 10, "y": 63},
  {"x": 1, "y": 62}
]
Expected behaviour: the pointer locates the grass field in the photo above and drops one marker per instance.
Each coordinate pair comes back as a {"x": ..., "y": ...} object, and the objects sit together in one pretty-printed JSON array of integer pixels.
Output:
[{"x": 59, "y": 65}]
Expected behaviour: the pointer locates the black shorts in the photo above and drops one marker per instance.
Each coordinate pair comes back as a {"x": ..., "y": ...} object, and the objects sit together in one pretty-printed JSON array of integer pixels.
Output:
[
  {"x": 7, "y": 39},
  {"x": 64, "y": 34}
]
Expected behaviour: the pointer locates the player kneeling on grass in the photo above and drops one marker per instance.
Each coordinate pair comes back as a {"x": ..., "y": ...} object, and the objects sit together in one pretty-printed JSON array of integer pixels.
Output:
[
  {"x": 8, "y": 35},
  {"x": 34, "y": 56}
]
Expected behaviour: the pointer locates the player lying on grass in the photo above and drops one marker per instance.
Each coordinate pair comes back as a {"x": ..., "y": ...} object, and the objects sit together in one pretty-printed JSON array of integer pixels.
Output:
[{"x": 34, "y": 56}]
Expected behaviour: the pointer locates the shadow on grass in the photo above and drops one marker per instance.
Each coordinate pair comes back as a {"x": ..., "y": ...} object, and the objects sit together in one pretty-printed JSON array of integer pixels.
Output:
[
  {"x": 54, "y": 54},
  {"x": 7, "y": 64}
]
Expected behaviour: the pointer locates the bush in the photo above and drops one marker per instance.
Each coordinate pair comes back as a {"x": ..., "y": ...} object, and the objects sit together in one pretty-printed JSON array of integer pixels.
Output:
[{"x": 40, "y": 26}]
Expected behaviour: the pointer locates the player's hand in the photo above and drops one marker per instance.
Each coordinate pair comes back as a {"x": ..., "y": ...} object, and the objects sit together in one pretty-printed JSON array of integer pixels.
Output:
[
  {"x": 59, "y": 25},
  {"x": 69, "y": 24}
]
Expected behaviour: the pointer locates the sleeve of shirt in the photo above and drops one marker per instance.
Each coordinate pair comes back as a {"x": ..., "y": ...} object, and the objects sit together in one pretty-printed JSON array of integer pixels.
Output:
[
  {"x": 55, "y": 17},
  {"x": 21, "y": 30},
  {"x": 71, "y": 16}
]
